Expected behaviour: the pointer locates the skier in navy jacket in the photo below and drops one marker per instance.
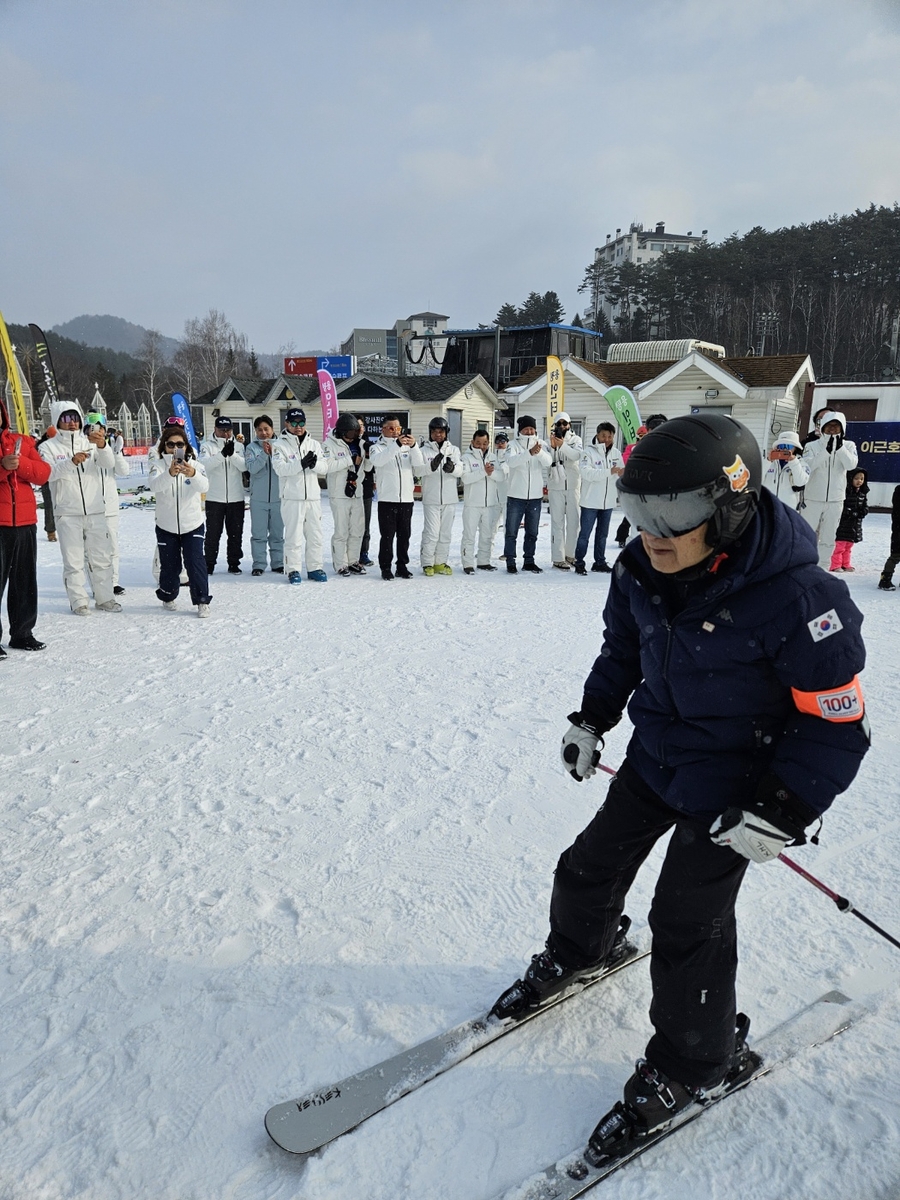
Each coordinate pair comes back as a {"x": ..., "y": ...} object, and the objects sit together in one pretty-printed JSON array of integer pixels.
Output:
[{"x": 737, "y": 657}]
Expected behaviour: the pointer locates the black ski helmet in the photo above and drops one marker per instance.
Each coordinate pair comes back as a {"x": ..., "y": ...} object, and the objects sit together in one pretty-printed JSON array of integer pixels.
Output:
[
  {"x": 693, "y": 469},
  {"x": 346, "y": 423},
  {"x": 439, "y": 423}
]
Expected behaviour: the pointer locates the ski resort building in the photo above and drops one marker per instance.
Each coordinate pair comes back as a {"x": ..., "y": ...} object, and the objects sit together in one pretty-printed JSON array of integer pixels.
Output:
[
  {"x": 765, "y": 394},
  {"x": 468, "y": 402}
]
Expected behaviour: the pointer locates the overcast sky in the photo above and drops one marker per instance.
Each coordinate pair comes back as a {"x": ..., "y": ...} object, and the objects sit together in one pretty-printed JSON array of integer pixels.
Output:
[{"x": 310, "y": 167}]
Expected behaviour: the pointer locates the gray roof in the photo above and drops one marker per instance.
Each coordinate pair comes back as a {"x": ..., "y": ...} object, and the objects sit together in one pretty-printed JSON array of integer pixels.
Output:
[{"x": 418, "y": 389}]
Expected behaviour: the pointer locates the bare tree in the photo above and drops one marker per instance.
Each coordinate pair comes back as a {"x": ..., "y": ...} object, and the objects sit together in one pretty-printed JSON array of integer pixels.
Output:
[
  {"x": 153, "y": 374},
  {"x": 211, "y": 350}
]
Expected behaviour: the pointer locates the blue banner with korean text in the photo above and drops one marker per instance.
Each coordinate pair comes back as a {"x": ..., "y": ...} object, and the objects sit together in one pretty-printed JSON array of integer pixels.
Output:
[{"x": 878, "y": 444}]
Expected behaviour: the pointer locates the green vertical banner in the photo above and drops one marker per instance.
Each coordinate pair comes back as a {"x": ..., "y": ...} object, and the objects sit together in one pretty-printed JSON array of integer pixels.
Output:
[{"x": 625, "y": 410}]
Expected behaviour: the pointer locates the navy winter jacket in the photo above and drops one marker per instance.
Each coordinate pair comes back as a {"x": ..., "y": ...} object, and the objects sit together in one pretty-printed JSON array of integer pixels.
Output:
[{"x": 733, "y": 687}]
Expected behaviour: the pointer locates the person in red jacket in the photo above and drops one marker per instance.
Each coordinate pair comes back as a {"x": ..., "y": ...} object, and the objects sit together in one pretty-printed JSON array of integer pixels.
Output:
[{"x": 21, "y": 468}]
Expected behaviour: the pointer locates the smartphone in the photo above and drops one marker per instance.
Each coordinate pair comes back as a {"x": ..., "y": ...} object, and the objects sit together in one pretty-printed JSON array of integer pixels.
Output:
[
  {"x": 179, "y": 454},
  {"x": 18, "y": 449}
]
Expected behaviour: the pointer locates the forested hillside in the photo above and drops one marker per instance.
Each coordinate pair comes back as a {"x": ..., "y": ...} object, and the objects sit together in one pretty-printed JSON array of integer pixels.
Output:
[{"x": 830, "y": 289}]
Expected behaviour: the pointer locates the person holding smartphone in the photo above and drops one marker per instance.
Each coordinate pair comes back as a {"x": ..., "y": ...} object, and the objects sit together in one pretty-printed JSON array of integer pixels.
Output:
[
  {"x": 178, "y": 481},
  {"x": 784, "y": 472}
]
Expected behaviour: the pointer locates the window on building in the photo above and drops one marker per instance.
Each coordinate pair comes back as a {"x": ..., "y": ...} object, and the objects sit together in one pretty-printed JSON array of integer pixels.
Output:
[{"x": 656, "y": 246}]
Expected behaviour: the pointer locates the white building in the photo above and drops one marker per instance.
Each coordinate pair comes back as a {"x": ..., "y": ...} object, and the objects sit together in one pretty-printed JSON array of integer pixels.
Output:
[
  {"x": 765, "y": 394},
  {"x": 639, "y": 246}
]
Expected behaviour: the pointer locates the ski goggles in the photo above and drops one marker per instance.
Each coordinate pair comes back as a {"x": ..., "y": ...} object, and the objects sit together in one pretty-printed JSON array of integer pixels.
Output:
[
  {"x": 669, "y": 516},
  {"x": 175, "y": 421}
]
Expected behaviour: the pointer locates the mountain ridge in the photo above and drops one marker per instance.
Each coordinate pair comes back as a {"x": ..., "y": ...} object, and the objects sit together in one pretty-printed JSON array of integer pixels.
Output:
[{"x": 113, "y": 333}]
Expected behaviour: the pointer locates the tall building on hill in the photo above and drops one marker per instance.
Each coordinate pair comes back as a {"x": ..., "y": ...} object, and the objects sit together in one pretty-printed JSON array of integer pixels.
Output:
[{"x": 639, "y": 246}]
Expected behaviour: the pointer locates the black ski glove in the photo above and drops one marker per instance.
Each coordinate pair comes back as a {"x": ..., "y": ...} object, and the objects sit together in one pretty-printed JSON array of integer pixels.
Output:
[
  {"x": 350, "y": 485},
  {"x": 436, "y": 461},
  {"x": 309, "y": 460},
  {"x": 449, "y": 466},
  {"x": 228, "y": 449}
]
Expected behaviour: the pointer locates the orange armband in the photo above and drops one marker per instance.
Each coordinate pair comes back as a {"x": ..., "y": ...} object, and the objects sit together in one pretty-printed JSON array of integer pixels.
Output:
[{"x": 837, "y": 704}]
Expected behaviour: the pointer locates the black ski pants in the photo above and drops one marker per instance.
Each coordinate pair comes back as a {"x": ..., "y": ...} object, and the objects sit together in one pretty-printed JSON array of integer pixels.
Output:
[
  {"x": 18, "y": 577},
  {"x": 231, "y": 517},
  {"x": 394, "y": 521},
  {"x": 176, "y": 549},
  {"x": 693, "y": 960}
]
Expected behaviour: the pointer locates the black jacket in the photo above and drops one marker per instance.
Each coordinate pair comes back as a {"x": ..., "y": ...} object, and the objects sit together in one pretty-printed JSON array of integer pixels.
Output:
[
  {"x": 856, "y": 507},
  {"x": 727, "y": 687}
]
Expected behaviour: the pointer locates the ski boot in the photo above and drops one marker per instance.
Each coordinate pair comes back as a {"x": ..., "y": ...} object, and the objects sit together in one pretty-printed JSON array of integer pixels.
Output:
[
  {"x": 653, "y": 1103},
  {"x": 546, "y": 978}
]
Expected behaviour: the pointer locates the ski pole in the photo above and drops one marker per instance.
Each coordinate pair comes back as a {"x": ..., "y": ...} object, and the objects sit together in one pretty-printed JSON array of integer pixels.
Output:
[{"x": 841, "y": 901}]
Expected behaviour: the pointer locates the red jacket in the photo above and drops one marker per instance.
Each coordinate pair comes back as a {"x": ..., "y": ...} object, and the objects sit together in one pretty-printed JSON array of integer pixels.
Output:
[{"x": 17, "y": 504}]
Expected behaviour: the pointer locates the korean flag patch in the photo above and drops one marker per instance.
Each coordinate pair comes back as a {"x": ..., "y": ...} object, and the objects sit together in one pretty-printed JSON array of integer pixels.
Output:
[{"x": 824, "y": 626}]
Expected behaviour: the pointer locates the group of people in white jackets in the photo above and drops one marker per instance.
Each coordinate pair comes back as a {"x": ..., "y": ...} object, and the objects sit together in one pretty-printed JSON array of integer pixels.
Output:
[{"x": 201, "y": 495}]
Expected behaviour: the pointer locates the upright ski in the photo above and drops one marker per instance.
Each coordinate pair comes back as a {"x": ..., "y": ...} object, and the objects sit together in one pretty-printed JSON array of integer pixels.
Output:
[
  {"x": 578, "y": 1171},
  {"x": 305, "y": 1124}
]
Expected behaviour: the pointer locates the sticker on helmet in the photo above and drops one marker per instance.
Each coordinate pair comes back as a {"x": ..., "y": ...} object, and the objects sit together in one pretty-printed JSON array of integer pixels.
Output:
[{"x": 738, "y": 474}]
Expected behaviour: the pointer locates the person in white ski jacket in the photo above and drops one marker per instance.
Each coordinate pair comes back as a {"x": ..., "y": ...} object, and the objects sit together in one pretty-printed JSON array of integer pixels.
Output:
[
  {"x": 397, "y": 459},
  {"x": 79, "y": 508},
  {"x": 501, "y": 449},
  {"x": 223, "y": 461},
  {"x": 346, "y": 464},
  {"x": 564, "y": 491},
  {"x": 299, "y": 462},
  {"x": 95, "y": 431},
  {"x": 482, "y": 474},
  {"x": 178, "y": 482},
  {"x": 829, "y": 458},
  {"x": 266, "y": 524},
  {"x": 528, "y": 460},
  {"x": 440, "y": 497},
  {"x": 601, "y": 463},
  {"x": 785, "y": 472}
]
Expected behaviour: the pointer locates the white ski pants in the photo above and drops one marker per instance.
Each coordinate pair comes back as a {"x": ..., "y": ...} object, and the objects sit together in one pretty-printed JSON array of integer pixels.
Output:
[
  {"x": 824, "y": 516},
  {"x": 565, "y": 523},
  {"x": 436, "y": 533},
  {"x": 483, "y": 523},
  {"x": 112, "y": 525},
  {"x": 349, "y": 519},
  {"x": 85, "y": 539},
  {"x": 302, "y": 534}
]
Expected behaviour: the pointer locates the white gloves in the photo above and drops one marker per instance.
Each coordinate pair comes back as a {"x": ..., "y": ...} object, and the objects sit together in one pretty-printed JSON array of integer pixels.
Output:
[
  {"x": 749, "y": 835},
  {"x": 579, "y": 752}
]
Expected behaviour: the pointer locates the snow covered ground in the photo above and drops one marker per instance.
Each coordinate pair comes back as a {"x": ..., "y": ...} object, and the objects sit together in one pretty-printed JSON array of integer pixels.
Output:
[{"x": 245, "y": 857}]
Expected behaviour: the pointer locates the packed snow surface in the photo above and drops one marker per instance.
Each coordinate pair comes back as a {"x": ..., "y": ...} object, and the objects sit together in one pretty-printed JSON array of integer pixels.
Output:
[{"x": 248, "y": 856}]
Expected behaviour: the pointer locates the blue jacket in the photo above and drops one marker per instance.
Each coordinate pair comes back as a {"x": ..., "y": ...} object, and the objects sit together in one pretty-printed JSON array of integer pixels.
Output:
[
  {"x": 729, "y": 689},
  {"x": 263, "y": 480}
]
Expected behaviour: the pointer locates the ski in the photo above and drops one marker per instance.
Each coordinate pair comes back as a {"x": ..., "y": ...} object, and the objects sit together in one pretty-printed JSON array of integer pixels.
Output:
[
  {"x": 576, "y": 1173},
  {"x": 304, "y": 1125}
]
